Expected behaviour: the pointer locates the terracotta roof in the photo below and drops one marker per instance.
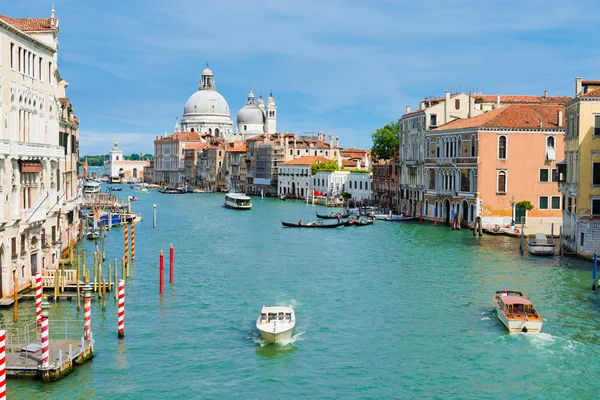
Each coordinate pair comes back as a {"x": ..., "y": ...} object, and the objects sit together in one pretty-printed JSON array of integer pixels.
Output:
[
  {"x": 593, "y": 93},
  {"x": 306, "y": 160},
  {"x": 590, "y": 82},
  {"x": 515, "y": 99},
  {"x": 355, "y": 150},
  {"x": 516, "y": 116},
  {"x": 182, "y": 136},
  {"x": 236, "y": 147},
  {"x": 195, "y": 146},
  {"x": 31, "y": 24}
]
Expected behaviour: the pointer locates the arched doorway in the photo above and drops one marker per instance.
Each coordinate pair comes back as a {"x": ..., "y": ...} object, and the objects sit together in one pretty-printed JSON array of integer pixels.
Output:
[
  {"x": 465, "y": 214},
  {"x": 135, "y": 173},
  {"x": 446, "y": 212},
  {"x": 294, "y": 194}
]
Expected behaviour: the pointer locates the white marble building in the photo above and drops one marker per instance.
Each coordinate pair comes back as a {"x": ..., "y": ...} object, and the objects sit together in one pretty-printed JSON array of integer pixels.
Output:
[
  {"x": 256, "y": 118},
  {"x": 38, "y": 213},
  {"x": 207, "y": 111},
  {"x": 119, "y": 169},
  {"x": 334, "y": 183}
]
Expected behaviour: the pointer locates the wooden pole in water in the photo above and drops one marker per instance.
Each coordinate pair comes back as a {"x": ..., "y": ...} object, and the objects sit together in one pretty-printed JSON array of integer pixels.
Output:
[
  {"x": 154, "y": 216},
  {"x": 522, "y": 243},
  {"x": 62, "y": 278},
  {"x": 123, "y": 267},
  {"x": 161, "y": 258},
  {"x": 552, "y": 231},
  {"x": 132, "y": 241},
  {"x": 95, "y": 272},
  {"x": 171, "y": 264},
  {"x": 100, "y": 279},
  {"x": 116, "y": 274},
  {"x": 78, "y": 296},
  {"x": 71, "y": 252},
  {"x": 84, "y": 265},
  {"x": 108, "y": 276},
  {"x": 121, "y": 310},
  {"x": 560, "y": 248},
  {"x": 38, "y": 298},
  {"x": 56, "y": 285},
  {"x": 87, "y": 312},
  {"x": 126, "y": 240},
  {"x": 104, "y": 297},
  {"x": 16, "y": 297},
  {"x": 45, "y": 334},
  {"x": 3, "y": 365}
]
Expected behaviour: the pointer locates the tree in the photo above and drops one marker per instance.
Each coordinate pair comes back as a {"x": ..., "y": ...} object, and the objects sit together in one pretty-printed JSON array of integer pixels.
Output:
[
  {"x": 324, "y": 166},
  {"x": 525, "y": 205},
  {"x": 385, "y": 141},
  {"x": 134, "y": 157}
]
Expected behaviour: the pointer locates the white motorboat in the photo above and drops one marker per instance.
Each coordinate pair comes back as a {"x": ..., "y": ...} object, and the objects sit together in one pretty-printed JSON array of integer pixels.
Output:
[
  {"x": 91, "y": 186},
  {"x": 398, "y": 218},
  {"x": 238, "y": 201},
  {"x": 541, "y": 245},
  {"x": 93, "y": 234},
  {"x": 276, "y": 323},
  {"x": 516, "y": 312}
]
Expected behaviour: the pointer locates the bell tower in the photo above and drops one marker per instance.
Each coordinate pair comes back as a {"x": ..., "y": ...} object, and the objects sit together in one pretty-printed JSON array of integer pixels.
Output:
[{"x": 271, "y": 111}]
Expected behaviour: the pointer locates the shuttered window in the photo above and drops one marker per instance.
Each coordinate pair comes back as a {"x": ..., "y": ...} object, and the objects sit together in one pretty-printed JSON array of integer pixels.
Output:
[{"x": 596, "y": 174}]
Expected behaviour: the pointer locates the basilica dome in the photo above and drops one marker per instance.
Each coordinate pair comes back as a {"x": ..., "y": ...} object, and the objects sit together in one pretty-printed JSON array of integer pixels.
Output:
[
  {"x": 206, "y": 102},
  {"x": 251, "y": 113}
]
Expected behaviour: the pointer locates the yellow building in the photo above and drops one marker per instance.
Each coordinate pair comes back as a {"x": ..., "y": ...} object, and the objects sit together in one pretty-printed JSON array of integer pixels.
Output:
[{"x": 579, "y": 173}]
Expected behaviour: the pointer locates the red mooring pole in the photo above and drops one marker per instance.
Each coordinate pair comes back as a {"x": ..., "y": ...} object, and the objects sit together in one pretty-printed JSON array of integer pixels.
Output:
[
  {"x": 162, "y": 272},
  {"x": 121, "y": 309},
  {"x": 171, "y": 264}
]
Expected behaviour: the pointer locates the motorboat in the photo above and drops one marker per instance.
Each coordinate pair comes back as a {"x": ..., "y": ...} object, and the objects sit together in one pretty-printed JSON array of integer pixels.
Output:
[
  {"x": 93, "y": 234},
  {"x": 171, "y": 190},
  {"x": 399, "y": 218},
  {"x": 132, "y": 198},
  {"x": 282, "y": 197},
  {"x": 541, "y": 245},
  {"x": 276, "y": 323},
  {"x": 91, "y": 187},
  {"x": 238, "y": 201},
  {"x": 114, "y": 189},
  {"x": 517, "y": 312}
]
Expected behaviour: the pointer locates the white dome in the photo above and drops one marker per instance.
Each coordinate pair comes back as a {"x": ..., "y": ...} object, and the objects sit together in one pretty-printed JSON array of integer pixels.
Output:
[
  {"x": 250, "y": 114},
  {"x": 206, "y": 102}
]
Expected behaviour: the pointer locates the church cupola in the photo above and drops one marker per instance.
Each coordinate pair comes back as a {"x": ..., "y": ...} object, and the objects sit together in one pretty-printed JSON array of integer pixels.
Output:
[
  {"x": 207, "y": 82},
  {"x": 250, "y": 97}
]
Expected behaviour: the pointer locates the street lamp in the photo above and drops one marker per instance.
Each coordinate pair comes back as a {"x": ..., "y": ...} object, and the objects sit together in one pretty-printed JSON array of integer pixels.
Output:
[{"x": 512, "y": 208}]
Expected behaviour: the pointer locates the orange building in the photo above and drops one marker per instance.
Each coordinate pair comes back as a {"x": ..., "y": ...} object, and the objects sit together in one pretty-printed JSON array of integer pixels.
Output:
[{"x": 484, "y": 166}]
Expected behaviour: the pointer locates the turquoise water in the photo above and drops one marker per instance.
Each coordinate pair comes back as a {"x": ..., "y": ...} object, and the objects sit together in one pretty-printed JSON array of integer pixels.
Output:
[{"x": 391, "y": 310}]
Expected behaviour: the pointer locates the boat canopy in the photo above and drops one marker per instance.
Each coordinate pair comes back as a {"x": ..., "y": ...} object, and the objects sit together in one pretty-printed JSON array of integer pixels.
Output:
[{"x": 514, "y": 300}]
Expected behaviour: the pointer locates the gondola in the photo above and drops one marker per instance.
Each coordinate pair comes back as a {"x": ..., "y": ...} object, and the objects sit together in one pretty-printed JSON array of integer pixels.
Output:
[
  {"x": 334, "y": 216},
  {"x": 362, "y": 222},
  {"x": 312, "y": 225}
]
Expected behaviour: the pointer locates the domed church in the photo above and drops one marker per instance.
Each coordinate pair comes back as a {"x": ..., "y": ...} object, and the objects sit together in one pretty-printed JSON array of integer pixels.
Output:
[
  {"x": 207, "y": 111},
  {"x": 256, "y": 118}
]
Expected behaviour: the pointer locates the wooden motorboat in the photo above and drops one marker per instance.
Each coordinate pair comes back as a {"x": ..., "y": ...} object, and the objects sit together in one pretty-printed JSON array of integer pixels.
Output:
[
  {"x": 311, "y": 224},
  {"x": 93, "y": 234},
  {"x": 333, "y": 215},
  {"x": 517, "y": 312},
  {"x": 541, "y": 245},
  {"x": 132, "y": 198},
  {"x": 358, "y": 222},
  {"x": 282, "y": 197},
  {"x": 238, "y": 201},
  {"x": 399, "y": 218},
  {"x": 171, "y": 190},
  {"x": 276, "y": 323}
]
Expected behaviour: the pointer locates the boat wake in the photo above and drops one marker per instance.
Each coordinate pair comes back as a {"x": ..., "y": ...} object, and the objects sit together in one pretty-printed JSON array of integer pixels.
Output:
[{"x": 262, "y": 343}]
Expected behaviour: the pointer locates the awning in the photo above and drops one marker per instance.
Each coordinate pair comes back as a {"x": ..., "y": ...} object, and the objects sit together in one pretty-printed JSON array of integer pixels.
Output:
[{"x": 31, "y": 166}]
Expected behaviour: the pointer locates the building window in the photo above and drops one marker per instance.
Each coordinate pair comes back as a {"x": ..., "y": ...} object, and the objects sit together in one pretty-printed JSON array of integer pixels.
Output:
[
  {"x": 595, "y": 207},
  {"x": 554, "y": 175},
  {"x": 596, "y": 174},
  {"x": 12, "y": 55},
  {"x": 502, "y": 182},
  {"x": 543, "y": 175},
  {"x": 502, "y": 147},
  {"x": 556, "y": 202},
  {"x": 13, "y": 247},
  {"x": 457, "y": 104},
  {"x": 433, "y": 120},
  {"x": 543, "y": 202},
  {"x": 473, "y": 148},
  {"x": 50, "y": 73},
  {"x": 550, "y": 152},
  {"x": 597, "y": 125}
]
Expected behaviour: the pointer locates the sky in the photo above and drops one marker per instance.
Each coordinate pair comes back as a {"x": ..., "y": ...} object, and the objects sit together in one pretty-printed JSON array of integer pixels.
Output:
[{"x": 342, "y": 67}]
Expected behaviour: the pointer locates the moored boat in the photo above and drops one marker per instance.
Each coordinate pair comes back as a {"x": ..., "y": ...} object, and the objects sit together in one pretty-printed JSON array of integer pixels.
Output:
[
  {"x": 333, "y": 215},
  {"x": 310, "y": 224},
  {"x": 238, "y": 201},
  {"x": 114, "y": 189},
  {"x": 358, "y": 222},
  {"x": 276, "y": 323},
  {"x": 171, "y": 190},
  {"x": 398, "y": 218},
  {"x": 517, "y": 312},
  {"x": 91, "y": 187},
  {"x": 541, "y": 245},
  {"x": 132, "y": 198},
  {"x": 93, "y": 234}
]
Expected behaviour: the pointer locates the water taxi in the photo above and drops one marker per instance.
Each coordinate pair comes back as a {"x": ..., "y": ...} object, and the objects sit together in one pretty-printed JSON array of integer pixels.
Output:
[
  {"x": 276, "y": 323},
  {"x": 91, "y": 187},
  {"x": 238, "y": 201},
  {"x": 516, "y": 312}
]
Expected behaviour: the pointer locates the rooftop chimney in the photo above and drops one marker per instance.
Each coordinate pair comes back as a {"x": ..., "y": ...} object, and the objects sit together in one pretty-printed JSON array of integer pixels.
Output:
[
  {"x": 407, "y": 109},
  {"x": 422, "y": 105},
  {"x": 330, "y": 141},
  {"x": 578, "y": 86},
  {"x": 337, "y": 142},
  {"x": 545, "y": 94},
  {"x": 560, "y": 118}
]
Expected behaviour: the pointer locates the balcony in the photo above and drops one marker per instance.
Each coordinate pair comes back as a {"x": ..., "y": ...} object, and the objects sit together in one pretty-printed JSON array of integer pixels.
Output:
[
  {"x": 451, "y": 161},
  {"x": 446, "y": 192},
  {"x": 31, "y": 215},
  {"x": 29, "y": 149}
]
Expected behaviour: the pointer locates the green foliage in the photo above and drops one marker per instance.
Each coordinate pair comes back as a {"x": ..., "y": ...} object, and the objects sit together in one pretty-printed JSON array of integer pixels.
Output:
[
  {"x": 360, "y": 171},
  {"x": 346, "y": 195},
  {"x": 525, "y": 204},
  {"x": 326, "y": 166},
  {"x": 98, "y": 161},
  {"x": 385, "y": 141}
]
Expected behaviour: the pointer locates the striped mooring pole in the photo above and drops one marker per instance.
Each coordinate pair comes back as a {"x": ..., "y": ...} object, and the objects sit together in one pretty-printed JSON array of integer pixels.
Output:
[
  {"x": 38, "y": 298},
  {"x": 45, "y": 334},
  {"x": 132, "y": 241},
  {"x": 161, "y": 279},
  {"x": 126, "y": 240},
  {"x": 87, "y": 311},
  {"x": 2, "y": 365},
  {"x": 121, "y": 311}
]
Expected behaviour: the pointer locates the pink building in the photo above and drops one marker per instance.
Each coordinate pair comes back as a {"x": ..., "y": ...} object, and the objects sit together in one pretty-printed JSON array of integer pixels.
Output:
[{"x": 483, "y": 166}]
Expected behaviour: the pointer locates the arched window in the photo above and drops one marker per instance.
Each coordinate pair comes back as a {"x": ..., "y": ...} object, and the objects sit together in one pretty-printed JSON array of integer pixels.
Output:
[
  {"x": 457, "y": 104},
  {"x": 459, "y": 148},
  {"x": 438, "y": 148},
  {"x": 550, "y": 150},
  {"x": 501, "y": 182},
  {"x": 209, "y": 131},
  {"x": 217, "y": 132},
  {"x": 473, "y": 147},
  {"x": 426, "y": 208},
  {"x": 502, "y": 147}
]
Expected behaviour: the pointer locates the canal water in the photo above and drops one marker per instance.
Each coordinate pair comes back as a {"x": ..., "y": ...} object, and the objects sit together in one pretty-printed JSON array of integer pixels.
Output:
[{"x": 392, "y": 310}]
